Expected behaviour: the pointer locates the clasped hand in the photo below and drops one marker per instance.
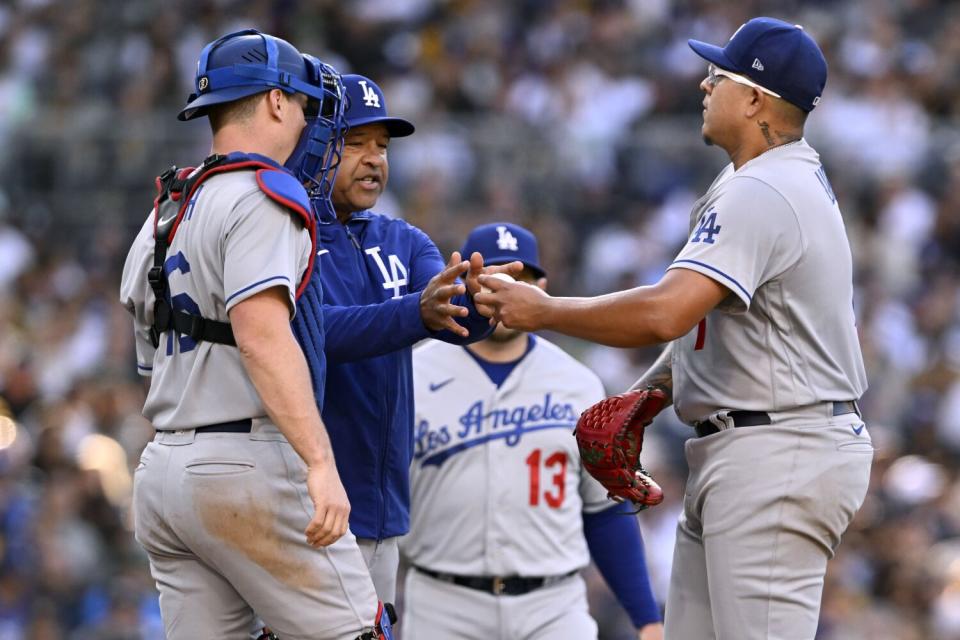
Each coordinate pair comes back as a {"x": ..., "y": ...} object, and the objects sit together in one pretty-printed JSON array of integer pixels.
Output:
[{"x": 437, "y": 310}]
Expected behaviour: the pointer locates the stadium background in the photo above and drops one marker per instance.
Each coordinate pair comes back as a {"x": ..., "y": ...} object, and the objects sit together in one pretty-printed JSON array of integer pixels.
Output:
[{"x": 579, "y": 119}]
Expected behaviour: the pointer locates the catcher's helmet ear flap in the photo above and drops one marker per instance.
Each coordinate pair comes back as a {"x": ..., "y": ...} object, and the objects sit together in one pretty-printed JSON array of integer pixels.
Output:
[{"x": 244, "y": 63}]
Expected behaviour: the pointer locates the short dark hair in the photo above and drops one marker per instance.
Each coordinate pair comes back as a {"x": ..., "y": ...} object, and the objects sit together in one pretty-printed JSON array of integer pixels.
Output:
[
  {"x": 793, "y": 115},
  {"x": 236, "y": 110}
]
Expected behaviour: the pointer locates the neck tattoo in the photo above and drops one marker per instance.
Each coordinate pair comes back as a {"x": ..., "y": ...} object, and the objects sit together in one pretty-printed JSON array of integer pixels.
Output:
[
  {"x": 782, "y": 137},
  {"x": 765, "y": 128}
]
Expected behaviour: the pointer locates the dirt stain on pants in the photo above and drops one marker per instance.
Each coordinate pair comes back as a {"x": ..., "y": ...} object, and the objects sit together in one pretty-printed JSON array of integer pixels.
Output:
[{"x": 249, "y": 524}]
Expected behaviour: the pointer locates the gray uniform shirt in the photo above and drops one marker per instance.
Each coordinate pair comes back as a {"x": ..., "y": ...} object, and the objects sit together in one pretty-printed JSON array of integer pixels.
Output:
[
  {"x": 496, "y": 483},
  {"x": 233, "y": 242},
  {"x": 772, "y": 233}
]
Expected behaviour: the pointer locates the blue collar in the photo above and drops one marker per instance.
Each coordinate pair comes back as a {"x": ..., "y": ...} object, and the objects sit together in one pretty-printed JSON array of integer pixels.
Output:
[
  {"x": 359, "y": 216},
  {"x": 499, "y": 371}
]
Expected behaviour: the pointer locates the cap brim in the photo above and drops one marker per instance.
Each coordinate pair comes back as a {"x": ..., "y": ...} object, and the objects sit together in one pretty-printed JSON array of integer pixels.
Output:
[
  {"x": 713, "y": 53},
  {"x": 495, "y": 260},
  {"x": 197, "y": 107},
  {"x": 396, "y": 127}
]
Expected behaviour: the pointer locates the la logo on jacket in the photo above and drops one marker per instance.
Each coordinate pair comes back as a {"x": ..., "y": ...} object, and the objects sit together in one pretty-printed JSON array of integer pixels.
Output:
[{"x": 396, "y": 277}]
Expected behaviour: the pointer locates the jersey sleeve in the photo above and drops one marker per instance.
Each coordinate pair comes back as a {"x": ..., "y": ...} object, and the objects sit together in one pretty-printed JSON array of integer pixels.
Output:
[
  {"x": 264, "y": 246},
  {"x": 425, "y": 259},
  {"x": 748, "y": 236},
  {"x": 358, "y": 332},
  {"x": 137, "y": 296}
]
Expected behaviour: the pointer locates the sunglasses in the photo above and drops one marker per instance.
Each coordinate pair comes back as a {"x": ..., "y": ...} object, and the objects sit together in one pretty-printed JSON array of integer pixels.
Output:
[{"x": 714, "y": 73}]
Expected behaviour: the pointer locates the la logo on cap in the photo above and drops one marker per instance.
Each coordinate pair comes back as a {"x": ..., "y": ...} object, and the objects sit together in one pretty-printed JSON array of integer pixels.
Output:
[
  {"x": 370, "y": 97},
  {"x": 506, "y": 241}
]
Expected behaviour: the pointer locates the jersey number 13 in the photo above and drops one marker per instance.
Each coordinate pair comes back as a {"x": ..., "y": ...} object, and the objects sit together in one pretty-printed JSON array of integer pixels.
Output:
[{"x": 554, "y": 495}]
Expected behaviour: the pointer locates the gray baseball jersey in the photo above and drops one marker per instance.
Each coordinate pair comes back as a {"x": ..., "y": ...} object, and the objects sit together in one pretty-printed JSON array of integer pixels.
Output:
[
  {"x": 255, "y": 247},
  {"x": 765, "y": 507},
  {"x": 222, "y": 515},
  {"x": 772, "y": 233},
  {"x": 497, "y": 487}
]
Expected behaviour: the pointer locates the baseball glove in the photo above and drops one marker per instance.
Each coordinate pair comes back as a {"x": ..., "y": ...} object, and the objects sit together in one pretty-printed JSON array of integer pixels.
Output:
[{"x": 610, "y": 437}]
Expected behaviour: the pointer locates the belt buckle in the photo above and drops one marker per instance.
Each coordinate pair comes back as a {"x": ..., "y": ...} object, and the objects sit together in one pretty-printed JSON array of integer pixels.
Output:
[
  {"x": 498, "y": 586},
  {"x": 722, "y": 420}
]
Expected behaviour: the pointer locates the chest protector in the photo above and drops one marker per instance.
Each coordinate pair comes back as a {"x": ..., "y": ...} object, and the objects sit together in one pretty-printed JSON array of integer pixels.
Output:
[{"x": 175, "y": 188}]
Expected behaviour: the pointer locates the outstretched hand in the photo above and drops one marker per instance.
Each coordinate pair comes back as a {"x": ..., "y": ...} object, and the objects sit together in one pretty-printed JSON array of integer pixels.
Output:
[
  {"x": 517, "y": 305},
  {"x": 436, "y": 310},
  {"x": 513, "y": 269},
  {"x": 477, "y": 269}
]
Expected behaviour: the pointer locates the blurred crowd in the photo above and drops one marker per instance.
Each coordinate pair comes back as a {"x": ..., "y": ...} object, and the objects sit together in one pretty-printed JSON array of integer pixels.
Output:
[{"x": 577, "y": 118}]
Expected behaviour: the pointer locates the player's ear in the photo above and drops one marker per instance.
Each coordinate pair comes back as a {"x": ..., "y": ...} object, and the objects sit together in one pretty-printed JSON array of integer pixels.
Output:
[
  {"x": 755, "y": 102},
  {"x": 277, "y": 103},
  {"x": 542, "y": 283}
]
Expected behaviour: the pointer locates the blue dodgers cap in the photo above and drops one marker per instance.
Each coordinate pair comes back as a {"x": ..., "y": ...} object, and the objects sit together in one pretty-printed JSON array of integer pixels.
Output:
[
  {"x": 366, "y": 105},
  {"x": 777, "y": 55},
  {"x": 502, "y": 242}
]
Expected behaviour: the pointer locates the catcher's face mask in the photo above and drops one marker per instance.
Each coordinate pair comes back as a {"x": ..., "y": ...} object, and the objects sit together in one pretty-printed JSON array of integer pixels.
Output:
[{"x": 316, "y": 157}]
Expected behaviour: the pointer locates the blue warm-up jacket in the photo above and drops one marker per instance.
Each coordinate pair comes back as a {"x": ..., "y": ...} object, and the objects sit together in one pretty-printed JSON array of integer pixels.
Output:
[{"x": 372, "y": 270}]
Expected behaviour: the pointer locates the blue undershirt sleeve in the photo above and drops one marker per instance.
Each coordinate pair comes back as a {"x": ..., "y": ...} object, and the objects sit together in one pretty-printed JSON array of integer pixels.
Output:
[{"x": 616, "y": 546}]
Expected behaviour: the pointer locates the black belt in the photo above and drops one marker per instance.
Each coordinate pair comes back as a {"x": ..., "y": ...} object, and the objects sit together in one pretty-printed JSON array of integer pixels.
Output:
[
  {"x": 234, "y": 426},
  {"x": 758, "y": 418},
  {"x": 508, "y": 586}
]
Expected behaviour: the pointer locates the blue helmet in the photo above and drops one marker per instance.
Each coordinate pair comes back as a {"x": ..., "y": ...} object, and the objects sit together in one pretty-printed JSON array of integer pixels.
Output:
[
  {"x": 316, "y": 157},
  {"x": 247, "y": 62}
]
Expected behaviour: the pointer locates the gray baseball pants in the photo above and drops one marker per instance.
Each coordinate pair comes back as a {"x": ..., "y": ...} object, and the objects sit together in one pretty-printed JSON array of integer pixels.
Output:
[
  {"x": 764, "y": 510},
  {"x": 438, "y": 610},
  {"x": 383, "y": 561},
  {"x": 222, "y": 517}
]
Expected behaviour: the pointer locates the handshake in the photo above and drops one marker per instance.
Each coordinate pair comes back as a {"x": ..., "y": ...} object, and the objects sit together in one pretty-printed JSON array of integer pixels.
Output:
[{"x": 490, "y": 287}]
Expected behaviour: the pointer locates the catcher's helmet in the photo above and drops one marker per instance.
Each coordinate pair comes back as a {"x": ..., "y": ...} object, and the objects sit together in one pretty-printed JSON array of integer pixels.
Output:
[
  {"x": 316, "y": 157},
  {"x": 246, "y": 62}
]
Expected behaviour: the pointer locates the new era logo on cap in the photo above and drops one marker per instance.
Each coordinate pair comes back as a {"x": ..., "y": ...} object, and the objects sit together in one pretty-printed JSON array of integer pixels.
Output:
[{"x": 777, "y": 55}]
